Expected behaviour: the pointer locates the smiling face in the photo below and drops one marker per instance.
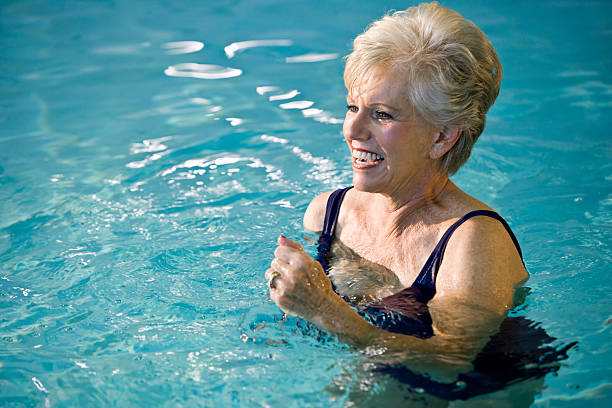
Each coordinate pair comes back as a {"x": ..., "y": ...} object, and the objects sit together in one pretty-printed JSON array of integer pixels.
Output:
[{"x": 390, "y": 142}]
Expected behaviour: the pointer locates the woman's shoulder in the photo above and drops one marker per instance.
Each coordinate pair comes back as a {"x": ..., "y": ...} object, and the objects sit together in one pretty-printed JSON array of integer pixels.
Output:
[
  {"x": 481, "y": 250},
  {"x": 480, "y": 221},
  {"x": 315, "y": 213},
  {"x": 481, "y": 257}
]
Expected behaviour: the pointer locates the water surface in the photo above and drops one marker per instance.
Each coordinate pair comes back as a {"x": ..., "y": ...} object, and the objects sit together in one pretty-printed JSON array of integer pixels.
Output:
[{"x": 150, "y": 153}]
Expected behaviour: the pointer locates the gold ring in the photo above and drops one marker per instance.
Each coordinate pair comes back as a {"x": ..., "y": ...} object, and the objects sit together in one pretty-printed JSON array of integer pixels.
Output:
[{"x": 274, "y": 275}]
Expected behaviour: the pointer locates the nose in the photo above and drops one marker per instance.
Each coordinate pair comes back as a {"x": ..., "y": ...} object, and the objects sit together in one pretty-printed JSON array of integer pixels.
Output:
[{"x": 355, "y": 126}]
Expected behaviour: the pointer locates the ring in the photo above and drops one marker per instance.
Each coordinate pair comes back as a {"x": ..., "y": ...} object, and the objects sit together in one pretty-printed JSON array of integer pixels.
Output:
[{"x": 275, "y": 275}]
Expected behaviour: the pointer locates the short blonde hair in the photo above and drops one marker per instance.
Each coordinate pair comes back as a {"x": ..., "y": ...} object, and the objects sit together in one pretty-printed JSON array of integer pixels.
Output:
[{"x": 451, "y": 70}]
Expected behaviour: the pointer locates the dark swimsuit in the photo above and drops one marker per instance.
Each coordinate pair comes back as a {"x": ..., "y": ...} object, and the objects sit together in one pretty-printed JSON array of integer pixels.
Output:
[
  {"x": 404, "y": 312},
  {"x": 518, "y": 351}
]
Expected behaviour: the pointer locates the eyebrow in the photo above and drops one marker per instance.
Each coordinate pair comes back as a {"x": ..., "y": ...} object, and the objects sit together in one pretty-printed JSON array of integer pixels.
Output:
[{"x": 379, "y": 104}]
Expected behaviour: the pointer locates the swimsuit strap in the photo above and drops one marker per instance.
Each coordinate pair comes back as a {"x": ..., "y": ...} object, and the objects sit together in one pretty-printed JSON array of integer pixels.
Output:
[
  {"x": 427, "y": 276},
  {"x": 333, "y": 209},
  {"x": 329, "y": 226}
]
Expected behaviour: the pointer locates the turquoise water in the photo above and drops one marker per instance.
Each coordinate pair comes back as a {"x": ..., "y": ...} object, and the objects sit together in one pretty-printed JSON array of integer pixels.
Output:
[{"x": 140, "y": 198}]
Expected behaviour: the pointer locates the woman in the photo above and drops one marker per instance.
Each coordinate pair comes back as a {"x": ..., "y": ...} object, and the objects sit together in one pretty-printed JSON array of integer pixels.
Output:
[{"x": 420, "y": 83}]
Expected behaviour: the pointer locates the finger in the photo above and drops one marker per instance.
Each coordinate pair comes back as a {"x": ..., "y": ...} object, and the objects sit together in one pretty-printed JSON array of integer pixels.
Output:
[
  {"x": 290, "y": 255},
  {"x": 281, "y": 266},
  {"x": 284, "y": 241},
  {"x": 285, "y": 253},
  {"x": 268, "y": 274}
]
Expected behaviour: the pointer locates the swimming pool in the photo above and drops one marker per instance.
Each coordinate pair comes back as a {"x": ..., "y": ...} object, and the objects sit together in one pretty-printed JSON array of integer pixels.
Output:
[{"x": 151, "y": 152}]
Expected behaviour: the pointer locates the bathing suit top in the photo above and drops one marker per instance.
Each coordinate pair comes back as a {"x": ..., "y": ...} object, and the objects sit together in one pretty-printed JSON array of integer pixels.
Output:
[{"x": 406, "y": 311}]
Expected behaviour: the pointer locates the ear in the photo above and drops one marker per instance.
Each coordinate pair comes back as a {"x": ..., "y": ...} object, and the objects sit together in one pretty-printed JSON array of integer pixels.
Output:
[{"x": 444, "y": 141}]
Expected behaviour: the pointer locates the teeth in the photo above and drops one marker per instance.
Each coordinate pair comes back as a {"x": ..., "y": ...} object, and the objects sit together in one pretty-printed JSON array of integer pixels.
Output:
[{"x": 361, "y": 155}]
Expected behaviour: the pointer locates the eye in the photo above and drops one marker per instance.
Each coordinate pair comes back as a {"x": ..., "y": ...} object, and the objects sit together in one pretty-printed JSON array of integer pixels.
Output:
[
  {"x": 382, "y": 115},
  {"x": 352, "y": 108}
]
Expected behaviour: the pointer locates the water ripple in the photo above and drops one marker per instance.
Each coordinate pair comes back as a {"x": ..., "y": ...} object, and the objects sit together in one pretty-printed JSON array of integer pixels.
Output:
[
  {"x": 234, "y": 121},
  {"x": 288, "y": 95},
  {"x": 150, "y": 145},
  {"x": 590, "y": 94},
  {"x": 311, "y": 57},
  {"x": 296, "y": 105},
  {"x": 182, "y": 47},
  {"x": 201, "y": 71},
  {"x": 577, "y": 73},
  {"x": 233, "y": 48},
  {"x": 120, "y": 49},
  {"x": 262, "y": 90},
  {"x": 305, "y": 106}
]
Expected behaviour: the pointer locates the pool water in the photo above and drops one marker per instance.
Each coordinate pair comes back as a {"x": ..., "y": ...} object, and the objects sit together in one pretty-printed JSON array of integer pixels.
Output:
[{"x": 151, "y": 152}]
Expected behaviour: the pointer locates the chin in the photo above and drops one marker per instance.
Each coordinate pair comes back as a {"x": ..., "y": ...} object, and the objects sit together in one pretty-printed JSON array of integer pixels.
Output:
[{"x": 365, "y": 185}]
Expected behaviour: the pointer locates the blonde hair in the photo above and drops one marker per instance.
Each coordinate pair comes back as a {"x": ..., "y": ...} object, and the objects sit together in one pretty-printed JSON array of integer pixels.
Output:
[{"x": 451, "y": 71}]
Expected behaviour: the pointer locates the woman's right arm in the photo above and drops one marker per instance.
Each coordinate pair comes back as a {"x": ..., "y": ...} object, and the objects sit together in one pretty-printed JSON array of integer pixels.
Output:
[{"x": 315, "y": 213}]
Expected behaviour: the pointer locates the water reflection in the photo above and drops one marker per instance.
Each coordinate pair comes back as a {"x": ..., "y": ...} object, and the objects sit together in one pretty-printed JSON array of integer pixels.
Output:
[
  {"x": 590, "y": 94},
  {"x": 288, "y": 95},
  {"x": 235, "y": 121},
  {"x": 296, "y": 105},
  {"x": 305, "y": 106},
  {"x": 182, "y": 47},
  {"x": 321, "y": 116},
  {"x": 262, "y": 90},
  {"x": 150, "y": 145},
  {"x": 273, "y": 139},
  {"x": 577, "y": 73},
  {"x": 233, "y": 48},
  {"x": 311, "y": 57},
  {"x": 120, "y": 49},
  {"x": 201, "y": 71}
]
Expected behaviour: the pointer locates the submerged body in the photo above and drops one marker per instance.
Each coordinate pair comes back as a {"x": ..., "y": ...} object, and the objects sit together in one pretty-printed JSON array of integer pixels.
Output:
[
  {"x": 403, "y": 311},
  {"x": 519, "y": 350},
  {"x": 467, "y": 296},
  {"x": 419, "y": 85}
]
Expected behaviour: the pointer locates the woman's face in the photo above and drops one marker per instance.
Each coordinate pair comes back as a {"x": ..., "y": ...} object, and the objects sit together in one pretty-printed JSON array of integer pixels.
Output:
[{"x": 389, "y": 141}]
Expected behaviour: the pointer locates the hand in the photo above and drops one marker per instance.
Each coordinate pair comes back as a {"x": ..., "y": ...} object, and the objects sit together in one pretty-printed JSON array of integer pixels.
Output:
[{"x": 298, "y": 284}]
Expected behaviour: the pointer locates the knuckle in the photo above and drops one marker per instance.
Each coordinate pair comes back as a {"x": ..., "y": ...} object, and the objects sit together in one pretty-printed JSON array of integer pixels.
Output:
[
  {"x": 280, "y": 250},
  {"x": 290, "y": 286},
  {"x": 299, "y": 263}
]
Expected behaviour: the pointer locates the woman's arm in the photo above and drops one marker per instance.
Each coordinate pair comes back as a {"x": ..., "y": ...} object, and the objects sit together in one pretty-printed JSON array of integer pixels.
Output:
[
  {"x": 302, "y": 289},
  {"x": 475, "y": 288},
  {"x": 315, "y": 213}
]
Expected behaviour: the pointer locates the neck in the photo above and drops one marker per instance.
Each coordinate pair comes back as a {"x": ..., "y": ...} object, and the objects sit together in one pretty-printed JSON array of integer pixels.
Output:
[
  {"x": 416, "y": 195},
  {"x": 407, "y": 204}
]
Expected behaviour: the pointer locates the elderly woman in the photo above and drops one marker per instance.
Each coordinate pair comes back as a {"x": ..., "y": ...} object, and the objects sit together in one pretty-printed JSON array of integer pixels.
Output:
[{"x": 416, "y": 264}]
